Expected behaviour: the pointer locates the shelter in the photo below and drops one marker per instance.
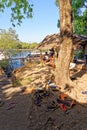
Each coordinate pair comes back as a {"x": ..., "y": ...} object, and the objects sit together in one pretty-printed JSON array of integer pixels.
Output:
[
  {"x": 50, "y": 41},
  {"x": 53, "y": 40},
  {"x": 83, "y": 43}
]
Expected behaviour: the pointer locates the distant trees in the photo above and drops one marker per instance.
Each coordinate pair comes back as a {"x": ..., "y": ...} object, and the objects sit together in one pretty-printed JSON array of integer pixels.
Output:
[
  {"x": 29, "y": 45},
  {"x": 33, "y": 45},
  {"x": 25, "y": 45},
  {"x": 9, "y": 40}
]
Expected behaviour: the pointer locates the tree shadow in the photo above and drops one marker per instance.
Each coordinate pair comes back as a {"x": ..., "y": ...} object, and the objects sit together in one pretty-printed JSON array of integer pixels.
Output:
[
  {"x": 14, "y": 106},
  {"x": 41, "y": 109},
  {"x": 80, "y": 73}
]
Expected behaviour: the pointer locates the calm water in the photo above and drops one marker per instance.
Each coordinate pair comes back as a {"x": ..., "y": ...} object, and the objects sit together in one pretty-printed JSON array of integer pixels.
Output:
[
  {"x": 14, "y": 62},
  {"x": 14, "y": 59}
]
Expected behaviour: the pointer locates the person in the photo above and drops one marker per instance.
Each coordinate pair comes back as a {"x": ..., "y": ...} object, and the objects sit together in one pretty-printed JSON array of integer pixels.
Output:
[
  {"x": 86, "y": 59},
  {"x": 51, "y": 53},
  {"x": 52, "y": 61},
  {"x": 51, "y": 56},
  {"x": 46, "y": 57},
  {"x": 75, "y": 59}
]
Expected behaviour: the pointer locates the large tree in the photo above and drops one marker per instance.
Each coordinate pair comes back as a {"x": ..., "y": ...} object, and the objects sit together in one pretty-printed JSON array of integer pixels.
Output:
[
  {"x": 70, "y": 15},
  {"x": 62, "y": 77}
]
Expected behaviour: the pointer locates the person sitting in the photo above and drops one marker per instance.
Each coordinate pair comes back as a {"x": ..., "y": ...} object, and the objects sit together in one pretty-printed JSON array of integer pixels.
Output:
[
  {"x": 46, "y": 57},
  {"x": 52, "y": 62},
  {"x": 51, "y": 53}
]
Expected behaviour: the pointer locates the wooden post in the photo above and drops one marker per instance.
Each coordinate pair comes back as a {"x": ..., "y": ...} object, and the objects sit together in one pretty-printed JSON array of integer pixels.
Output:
[
  {"x": 72, "y": 55},
  {"x": 55, "y": 54},
  {"x": 41, "y": 57}
]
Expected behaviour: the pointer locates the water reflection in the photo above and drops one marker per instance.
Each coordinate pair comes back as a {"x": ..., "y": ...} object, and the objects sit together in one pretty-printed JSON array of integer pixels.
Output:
[{"x": 16, "y": 56}]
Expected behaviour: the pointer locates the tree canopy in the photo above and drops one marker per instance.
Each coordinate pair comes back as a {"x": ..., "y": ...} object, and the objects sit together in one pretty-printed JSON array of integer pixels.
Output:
[
  {"x": 20, "y": 9},
  {"x": 79, "y": 8}
]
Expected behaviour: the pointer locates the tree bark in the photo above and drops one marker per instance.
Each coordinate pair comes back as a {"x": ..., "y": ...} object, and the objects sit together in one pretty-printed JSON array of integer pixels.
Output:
[{"x": 62, "y": 77}]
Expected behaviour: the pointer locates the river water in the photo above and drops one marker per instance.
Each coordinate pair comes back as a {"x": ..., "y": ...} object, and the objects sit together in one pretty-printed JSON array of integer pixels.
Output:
[{"x": 16, "y": 60}]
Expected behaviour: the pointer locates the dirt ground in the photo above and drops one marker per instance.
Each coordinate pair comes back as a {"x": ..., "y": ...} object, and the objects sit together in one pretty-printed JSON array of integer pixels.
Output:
[
  {"x": 15, "y": 107},
  {"x": 19, "y": 109}
]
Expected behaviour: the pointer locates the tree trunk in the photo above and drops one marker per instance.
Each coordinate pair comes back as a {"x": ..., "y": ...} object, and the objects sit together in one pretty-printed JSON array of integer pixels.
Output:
[{"x": 62, "y": 77}]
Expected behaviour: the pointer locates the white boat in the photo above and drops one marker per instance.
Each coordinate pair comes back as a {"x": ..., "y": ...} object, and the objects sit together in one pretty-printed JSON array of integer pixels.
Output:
[{"x": 2, "y": 56}]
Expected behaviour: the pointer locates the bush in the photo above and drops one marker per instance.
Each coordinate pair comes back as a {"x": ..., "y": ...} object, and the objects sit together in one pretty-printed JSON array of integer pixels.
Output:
[
  {"x": 3, "y": 64},
  {"x": 79, "y": 54}
]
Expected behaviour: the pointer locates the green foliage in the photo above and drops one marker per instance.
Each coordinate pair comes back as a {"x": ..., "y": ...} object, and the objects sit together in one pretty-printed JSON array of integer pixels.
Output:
[
  {"x": 79, "y": 8},
  {"x": 80, "y": 16},
  {"x": 58, "y": 23},
  {"x": 16, "y": 83},
  {"x": 3, "y": 64},
  {"x": 57, "y": 2},
  {"x": 29, "y": 79},
  {"x": 9, "y": 40},
  {"x": 33, "y": 45},
  {"x": 25, "y": 45},
  {"x": 20, "y": 9},
  {"x": 79, "y": 54},
  {"x": 29, "y": 45}
]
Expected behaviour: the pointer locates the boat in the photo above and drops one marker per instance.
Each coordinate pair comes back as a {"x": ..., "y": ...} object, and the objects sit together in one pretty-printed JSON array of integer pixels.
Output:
[{"x": 3, "y": 56}]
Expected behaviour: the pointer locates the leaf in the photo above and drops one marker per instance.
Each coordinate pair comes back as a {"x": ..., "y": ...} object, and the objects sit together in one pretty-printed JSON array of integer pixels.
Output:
[{"x": 9, "y": 3}]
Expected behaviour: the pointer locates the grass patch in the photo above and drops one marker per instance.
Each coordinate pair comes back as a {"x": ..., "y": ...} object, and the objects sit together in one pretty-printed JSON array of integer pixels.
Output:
[
  {"x": 29, "y": 79},
  {"x": 16, "y": 83}
]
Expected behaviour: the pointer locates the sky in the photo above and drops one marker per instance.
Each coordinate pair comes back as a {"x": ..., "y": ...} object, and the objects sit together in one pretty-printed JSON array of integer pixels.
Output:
[{"x": 43, "y": 23}]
